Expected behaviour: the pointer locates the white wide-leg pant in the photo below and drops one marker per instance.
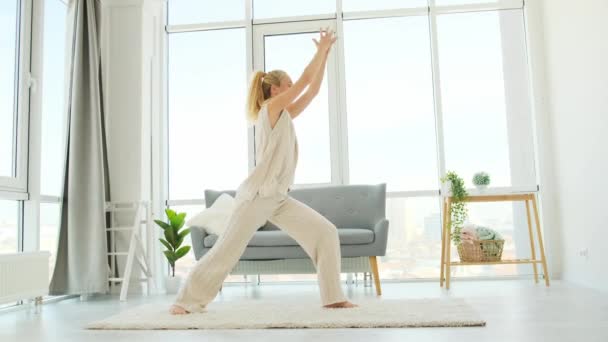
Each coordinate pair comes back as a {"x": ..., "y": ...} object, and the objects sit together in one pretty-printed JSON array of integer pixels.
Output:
[{"x": 317, "y": 235}]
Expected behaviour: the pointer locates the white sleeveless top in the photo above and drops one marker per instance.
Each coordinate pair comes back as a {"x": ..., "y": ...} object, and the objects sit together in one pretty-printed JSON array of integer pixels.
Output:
[{"x": 276, "y": 157}]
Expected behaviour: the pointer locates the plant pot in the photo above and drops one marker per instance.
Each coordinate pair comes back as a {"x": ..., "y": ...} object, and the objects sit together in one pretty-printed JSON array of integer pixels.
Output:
[
  {"x": 172, "y": 284},
  {"x": 481, "y": 187}
]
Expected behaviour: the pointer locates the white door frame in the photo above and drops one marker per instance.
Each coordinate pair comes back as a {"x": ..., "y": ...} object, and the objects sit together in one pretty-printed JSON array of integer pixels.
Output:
[{"x": 260, "y": 31}]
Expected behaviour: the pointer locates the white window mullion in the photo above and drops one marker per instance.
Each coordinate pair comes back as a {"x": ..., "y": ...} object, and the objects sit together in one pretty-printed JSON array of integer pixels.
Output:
[
  {"x": 13, "y": 195},
  {"x": 333, "y": 79},
  {"x": 250, "y": 69},
  {"x": 31, "y": 208},
  {"x": 439, "y": 133},
  {"x": 341, "y": 99},
  {"x": 206, "y": 26},
  {"x": 160, "y": 140},
  {"x": 292, "y": 19},
  {"x": 161, "y": 127},
  {"x": 25, "y": 25},
  {"x": 376, "y": 14}
]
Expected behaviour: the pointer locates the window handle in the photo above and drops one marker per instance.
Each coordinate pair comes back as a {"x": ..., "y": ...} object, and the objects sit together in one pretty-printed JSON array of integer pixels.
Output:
[{"x": 32, "y": 83}]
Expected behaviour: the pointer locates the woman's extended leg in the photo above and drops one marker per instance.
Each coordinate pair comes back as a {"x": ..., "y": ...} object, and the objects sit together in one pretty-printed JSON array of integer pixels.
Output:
[
  {"x": 319, "y": 238},
  {"x": 206, "y": 277}
]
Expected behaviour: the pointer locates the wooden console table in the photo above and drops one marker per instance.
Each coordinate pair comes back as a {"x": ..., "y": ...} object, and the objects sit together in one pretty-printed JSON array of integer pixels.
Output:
[{"x": 446, "y": 236}]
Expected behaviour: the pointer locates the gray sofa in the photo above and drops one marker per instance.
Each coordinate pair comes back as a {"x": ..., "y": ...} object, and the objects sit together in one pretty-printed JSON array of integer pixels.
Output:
[{"x": 358, "y": 211}]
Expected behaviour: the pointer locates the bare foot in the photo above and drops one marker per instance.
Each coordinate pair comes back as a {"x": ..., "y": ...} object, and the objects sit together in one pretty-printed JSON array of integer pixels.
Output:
[
  {"x": 346, "y": 304},
  {"x": 178, "y": 310}
]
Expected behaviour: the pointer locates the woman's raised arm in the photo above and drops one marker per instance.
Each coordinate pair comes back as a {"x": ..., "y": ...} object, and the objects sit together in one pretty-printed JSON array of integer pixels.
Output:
[{"x": 279, "y": 102}]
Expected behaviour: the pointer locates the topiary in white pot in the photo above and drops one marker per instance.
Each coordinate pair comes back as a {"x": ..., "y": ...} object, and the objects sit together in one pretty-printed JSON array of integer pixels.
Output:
[{"x": 481, "y": 180}]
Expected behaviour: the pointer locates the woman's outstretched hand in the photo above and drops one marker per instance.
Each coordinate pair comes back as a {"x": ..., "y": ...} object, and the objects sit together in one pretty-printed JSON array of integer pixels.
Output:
[{"x": 326, "y": 40}]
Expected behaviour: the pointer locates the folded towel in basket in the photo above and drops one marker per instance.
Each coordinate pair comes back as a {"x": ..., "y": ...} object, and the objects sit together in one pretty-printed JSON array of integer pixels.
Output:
[
  {"x": 471, "y": 232},
  {"x": 485, "y": 233}
]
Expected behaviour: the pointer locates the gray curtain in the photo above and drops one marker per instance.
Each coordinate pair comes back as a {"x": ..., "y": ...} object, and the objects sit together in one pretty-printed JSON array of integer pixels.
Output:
[{"x": 81, "y": 264}]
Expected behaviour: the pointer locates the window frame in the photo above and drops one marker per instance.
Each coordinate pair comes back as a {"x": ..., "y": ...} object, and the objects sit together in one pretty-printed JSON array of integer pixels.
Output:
[
  {"x": 335, "y": 140},
  {"x": 341, "y": 162},
  {"x": 16, "y": 187}
]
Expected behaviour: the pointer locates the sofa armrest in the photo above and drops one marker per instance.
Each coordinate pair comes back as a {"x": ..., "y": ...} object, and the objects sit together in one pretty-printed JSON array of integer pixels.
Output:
[
  {"x": 381, "y": 235},
  {"x": 197, "y": 234}
]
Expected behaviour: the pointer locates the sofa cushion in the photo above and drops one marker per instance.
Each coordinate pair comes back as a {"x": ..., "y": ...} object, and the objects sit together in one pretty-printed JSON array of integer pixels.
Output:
[
  {"x": 215, "y": 218},
  {"x": 262, "y": 238}
]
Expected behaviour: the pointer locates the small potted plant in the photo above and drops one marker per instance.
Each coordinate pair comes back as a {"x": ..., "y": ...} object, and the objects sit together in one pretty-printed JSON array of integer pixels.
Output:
[
  {"x": 458, "y": 206},
  {"x": 174, "y": 237},
  {"x": 481, "y": 180}
]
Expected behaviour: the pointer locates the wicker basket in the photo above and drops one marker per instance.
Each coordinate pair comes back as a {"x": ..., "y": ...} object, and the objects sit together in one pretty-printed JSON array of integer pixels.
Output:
[{"x": 480, "y": 250}]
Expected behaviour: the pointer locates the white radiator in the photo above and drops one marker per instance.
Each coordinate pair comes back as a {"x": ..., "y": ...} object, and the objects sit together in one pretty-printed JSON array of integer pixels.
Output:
[{"x": 24, "y": 275}]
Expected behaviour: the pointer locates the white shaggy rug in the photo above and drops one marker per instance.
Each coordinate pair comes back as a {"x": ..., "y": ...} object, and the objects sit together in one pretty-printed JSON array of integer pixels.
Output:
[{"x": 300, "y": 313}]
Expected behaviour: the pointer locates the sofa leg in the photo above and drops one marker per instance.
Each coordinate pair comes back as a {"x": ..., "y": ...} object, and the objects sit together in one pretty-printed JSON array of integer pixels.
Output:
[{"x": 374, "y": 264}]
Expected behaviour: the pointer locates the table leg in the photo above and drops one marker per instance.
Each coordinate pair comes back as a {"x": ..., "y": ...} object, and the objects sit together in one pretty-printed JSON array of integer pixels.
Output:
[
  {"x": 532, "y": 247},
  {"x": 540, "y": 240},
  {"x": 448, "y": 244},
  {"x": 443, "y": 231}
]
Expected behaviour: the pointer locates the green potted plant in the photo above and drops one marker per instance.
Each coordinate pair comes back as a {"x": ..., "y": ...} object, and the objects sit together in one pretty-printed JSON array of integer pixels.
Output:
[
  {"x": 481, "y": 180},
  {"x": 458, "y": 206},
  {"x": 174, "y": 237}
]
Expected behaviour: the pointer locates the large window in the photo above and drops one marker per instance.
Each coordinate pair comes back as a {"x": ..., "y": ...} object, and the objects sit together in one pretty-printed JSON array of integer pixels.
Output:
[
  {"x": 9, "y": 44},
  {"x": 486, "y": 111},
  {"x": 9, "y": 233},
  {"x": 207, "y": 125},
  {"x": 389, "y": 103},
  {"x": 414, "y": 242},
  {"x": 413, "y": 93},
  {"x": 50, "y": 217},
  {"x": 54, "y": 114},
  {"x": 9, "y": 226}
]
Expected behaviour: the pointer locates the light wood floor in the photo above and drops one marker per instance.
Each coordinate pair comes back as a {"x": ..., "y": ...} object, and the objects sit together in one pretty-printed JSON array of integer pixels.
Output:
[{"x": 515, "y": 310}]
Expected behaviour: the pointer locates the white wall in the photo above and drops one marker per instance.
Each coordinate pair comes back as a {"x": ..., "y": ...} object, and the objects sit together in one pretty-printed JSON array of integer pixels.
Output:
[
  {"x": 129, "y": 43},
  {"x": 576, "y": 67},
  {"x": 121, "y": 47}
]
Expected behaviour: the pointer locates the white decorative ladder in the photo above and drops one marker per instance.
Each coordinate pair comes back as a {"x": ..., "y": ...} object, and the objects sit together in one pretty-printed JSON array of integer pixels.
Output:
[{"x": 136, "y": 251}]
